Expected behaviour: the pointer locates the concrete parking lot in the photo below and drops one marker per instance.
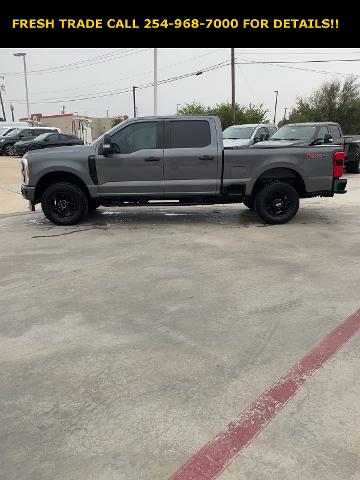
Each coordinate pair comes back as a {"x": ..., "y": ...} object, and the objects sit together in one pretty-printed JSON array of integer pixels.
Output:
[{"x": 130, "y": 341}]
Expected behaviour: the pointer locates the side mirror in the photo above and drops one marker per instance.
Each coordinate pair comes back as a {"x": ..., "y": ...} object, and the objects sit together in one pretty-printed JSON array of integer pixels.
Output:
[
  {"x": 328, "y": 138},
  {"x": 263, "y": 136},
  {"x": 106, "y": 147},
  {"x": 257, "y": 139}
]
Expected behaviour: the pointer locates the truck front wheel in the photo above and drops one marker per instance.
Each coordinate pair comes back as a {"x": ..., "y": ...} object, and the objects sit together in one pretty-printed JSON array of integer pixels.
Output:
[
  {"x": 277, "y": 203},
  {"x": 64, "y": 203}
]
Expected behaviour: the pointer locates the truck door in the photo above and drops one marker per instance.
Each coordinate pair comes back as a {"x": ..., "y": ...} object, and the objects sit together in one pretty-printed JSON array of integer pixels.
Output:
[
  {"x": 191, "y": 158},
  {"x": 136, "y": 166}
]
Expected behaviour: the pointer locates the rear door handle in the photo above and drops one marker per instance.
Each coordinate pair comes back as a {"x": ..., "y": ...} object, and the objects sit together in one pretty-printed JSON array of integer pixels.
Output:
[
  {"x": 206, "y": 157},
  {"x": 152, "y": 159}
]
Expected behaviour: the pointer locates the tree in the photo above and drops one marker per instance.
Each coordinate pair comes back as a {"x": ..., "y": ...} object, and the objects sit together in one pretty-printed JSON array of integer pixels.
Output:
[
  {"x": 193, "y": 108},
  {"x": 334, "y": 101},
  {"x": 117, "y": 120},
  {"x": 243, "y": 114}
]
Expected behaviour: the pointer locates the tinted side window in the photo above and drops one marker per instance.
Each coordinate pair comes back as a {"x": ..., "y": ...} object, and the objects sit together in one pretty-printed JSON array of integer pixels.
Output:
[
  {"x": 25, "y": 133},
  {"x": 53, "y": 138},
  {"x": 189, "y": 134},
  {"x": 37, "y": 131},
  {"x": 261, "y": 131},
  {"x": 322, "y": 132},
  {"x": 64, "y": 138},
  {"x": 335, "y": 132},
  {"x": 135, "y": 137}
]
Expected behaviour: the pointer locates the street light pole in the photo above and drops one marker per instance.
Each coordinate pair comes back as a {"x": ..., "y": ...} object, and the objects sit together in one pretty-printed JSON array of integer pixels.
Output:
[
  {"x": 12, "y": 111},
  {"x": 21, "y": 54},
  {"x": 276, "y": 101},
  {"x": 233, "y": 85},
  {"x": 177, "y": 108},
  {"x": 134, "y": 100},
  {"x": 155, "y": 81}
]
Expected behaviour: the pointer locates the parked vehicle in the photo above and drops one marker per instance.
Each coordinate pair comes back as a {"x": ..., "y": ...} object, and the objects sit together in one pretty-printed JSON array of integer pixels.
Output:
[
  {"x": 8, "y": 141},
  {"x": 5, "y": 130},
  {"x": 319, "y": 133},
  {"x": 180, "y": 161},
  {"x": 47, "y": 140},
  {"x": 247, "y": 134},
  {"x": 6, "y": 127}
]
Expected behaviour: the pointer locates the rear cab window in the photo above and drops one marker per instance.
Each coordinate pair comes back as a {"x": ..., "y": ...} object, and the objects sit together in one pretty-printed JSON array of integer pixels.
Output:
[{"x": 188, "y": 134}]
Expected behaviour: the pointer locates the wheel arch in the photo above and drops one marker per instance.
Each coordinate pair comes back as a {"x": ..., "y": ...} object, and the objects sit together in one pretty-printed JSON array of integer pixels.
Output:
[
  {"x": 55, "y": 177},
  {"x": 282, "y": 174}
]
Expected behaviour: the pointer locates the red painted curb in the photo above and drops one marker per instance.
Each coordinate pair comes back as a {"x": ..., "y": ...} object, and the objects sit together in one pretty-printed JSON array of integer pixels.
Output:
[{"x": 214, "y": 457}]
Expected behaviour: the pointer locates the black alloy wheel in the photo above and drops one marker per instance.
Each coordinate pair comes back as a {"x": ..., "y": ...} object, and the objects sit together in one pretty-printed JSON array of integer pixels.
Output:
[
  {"x": 277, "y": 203},
  {"x": 64, "y": 203}
]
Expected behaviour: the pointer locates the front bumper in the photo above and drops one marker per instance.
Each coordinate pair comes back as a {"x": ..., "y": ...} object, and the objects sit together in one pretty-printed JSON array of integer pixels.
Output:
[
  {"x": 28, "y": 193},
  {"x": 339, "y": 185}
]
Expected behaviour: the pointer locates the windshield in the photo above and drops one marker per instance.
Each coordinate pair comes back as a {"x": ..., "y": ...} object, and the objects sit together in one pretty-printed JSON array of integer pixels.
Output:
[
  {"x": 294, "y": 132},
  {"x": 4, "y": 130},
  {"x": 238, "y": 132},
  {"x": 14, "y": 132},
  {"x": 42, "y": 136}
]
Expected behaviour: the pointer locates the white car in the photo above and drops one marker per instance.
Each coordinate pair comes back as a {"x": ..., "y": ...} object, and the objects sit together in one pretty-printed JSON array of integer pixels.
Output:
[
  {"x": 7, "y": 127},
  {"x": 247, "y": 134}
]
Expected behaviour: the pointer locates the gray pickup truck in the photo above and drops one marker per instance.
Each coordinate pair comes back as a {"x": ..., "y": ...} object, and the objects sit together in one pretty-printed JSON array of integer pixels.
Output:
[{"x": 179, "y": 161}]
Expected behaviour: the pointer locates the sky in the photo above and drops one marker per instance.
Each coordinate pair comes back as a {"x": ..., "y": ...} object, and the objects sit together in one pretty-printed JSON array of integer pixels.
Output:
[{"x": 60, "y": 78}]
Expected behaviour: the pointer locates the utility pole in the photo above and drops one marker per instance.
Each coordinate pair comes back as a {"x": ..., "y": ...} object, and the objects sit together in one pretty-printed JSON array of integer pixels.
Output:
[
  {"x": 155, "y": 82},
  {"x": 107, "y": 113},
  {"x": 276, "y": 100},
  {"x": 20, "y": 54},
  {"x": 134, "y": 100},
  {"x": 233, "y": 85},
  {"x": 2, "y": 88},
  {"x": 63, "y": 109},
  {"x": 177, "y": 108},
  {"x": 12, "y": 111},
  {"x": 285, "y": 109}
]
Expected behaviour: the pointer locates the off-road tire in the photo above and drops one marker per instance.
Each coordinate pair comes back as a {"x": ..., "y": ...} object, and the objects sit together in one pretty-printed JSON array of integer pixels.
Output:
[
  {"x": 277, "y": 203},
  {"x": 64, "y": 203}
]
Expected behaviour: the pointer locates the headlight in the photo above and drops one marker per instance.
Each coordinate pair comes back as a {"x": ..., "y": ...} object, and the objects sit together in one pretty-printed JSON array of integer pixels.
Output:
[
  {"x": 25, "y": 170},
  {"x": 2, "y": 140}
]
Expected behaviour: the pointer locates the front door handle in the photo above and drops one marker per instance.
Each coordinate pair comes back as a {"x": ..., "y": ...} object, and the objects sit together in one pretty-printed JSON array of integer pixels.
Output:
[
  {"x": 152, "y": 159},
  {"x": 206, "y": 157}
]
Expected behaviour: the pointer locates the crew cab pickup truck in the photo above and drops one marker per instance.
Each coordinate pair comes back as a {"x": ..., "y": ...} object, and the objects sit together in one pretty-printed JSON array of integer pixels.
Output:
[
  {"x": 180, "y": 161},
  {"x": 319, "y": 133}
]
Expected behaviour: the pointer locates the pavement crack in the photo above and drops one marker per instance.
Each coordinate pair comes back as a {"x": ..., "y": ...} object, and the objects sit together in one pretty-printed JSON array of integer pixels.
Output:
[{"x": 67, "y": 233}]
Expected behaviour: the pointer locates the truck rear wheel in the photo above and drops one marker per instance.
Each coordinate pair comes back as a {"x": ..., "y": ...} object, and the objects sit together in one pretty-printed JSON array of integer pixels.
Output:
[
  {"x": 249, "y": 202},
  {"x": 64, "y": 203},
  {"x": 352, "y": 167},
  {"x": 277, "y": 203}
]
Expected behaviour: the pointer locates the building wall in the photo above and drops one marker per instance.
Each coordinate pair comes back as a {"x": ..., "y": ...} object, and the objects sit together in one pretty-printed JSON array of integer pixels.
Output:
[
  {"x": 62, "y": 122},
  {"x": 69, "y": 123}
]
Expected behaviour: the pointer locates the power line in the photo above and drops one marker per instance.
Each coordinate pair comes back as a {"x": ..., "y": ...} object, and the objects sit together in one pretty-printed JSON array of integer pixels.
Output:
[
  {"x": 140, "y": 87},
  {"x": 281, "y": 65},
  {"x": 133, "y": 76},
  {"x": 83, "y": 63}
]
